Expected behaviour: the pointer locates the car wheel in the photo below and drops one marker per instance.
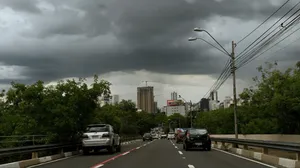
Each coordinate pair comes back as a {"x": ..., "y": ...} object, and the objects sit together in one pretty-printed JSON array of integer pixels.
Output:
[
  {"x": 185, "y": 147},
  {"x": 119, "y": 148},
  {"x": 85, "y": 151},
  {"x": 208, "y": 148},
  {"x": 111, "y": 149}
]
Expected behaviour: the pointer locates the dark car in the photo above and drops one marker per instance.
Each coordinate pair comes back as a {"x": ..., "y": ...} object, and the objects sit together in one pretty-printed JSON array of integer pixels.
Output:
[
  {"x": 179, "y": 137},
  {"x": 147, "y": 136},
  {"x": 197, "y": 138}
]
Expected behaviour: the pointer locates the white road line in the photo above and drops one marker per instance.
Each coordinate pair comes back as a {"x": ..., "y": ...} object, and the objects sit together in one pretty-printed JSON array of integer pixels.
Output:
[
  {"x": 176, "y": 147},
  {"x": 100, "y": 165},
  {"x": 144, "y": 144},
  {"x": 245, "y": 158},
  {"x": 138, "y": 147},
  {"x": 125, "y": 153},
  {"x": 183, "y": 157},
  {"x": 180, "y": 152},
  {"x": 191, "y": 166}
]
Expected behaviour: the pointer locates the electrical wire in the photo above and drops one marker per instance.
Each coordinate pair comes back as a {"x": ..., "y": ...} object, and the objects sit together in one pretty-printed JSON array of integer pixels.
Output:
[
  {"x": 263, "y": 22},
  {"x": 268, "y": 29},
  {"x": 274, "y": 37},
  {"x": 249, "y": 53}
]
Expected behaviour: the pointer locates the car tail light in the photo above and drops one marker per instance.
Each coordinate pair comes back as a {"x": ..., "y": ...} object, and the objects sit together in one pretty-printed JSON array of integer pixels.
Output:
[{"x": 105, "y": 135}]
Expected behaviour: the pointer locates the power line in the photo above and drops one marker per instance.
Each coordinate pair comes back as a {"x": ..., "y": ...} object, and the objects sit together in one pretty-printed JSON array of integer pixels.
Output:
[
  {"x": 251, "y": 59},
  {"x": 268, "y": 29},
  {"x": 249, "y": 53},
  {"x": 273, "y": 38},
  {"x": 263, "y": 22},
  {"x": 220, "y": 76}
]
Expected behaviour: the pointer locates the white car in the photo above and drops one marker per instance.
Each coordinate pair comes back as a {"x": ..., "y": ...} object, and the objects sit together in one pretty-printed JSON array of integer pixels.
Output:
[
  {"x": 155, "y": 136},
  {"x": 171, "y": 135},
  {"x": 163, "y": 136},
  {"x": 100, "y": 136}
]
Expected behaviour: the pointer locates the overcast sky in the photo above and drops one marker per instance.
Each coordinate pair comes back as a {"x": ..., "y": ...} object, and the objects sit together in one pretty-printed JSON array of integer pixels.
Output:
[{"x": 130, "y": 41}]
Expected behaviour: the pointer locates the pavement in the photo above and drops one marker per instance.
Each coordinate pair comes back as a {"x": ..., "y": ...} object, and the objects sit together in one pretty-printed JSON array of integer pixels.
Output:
[{"x": 158, "y": 153}]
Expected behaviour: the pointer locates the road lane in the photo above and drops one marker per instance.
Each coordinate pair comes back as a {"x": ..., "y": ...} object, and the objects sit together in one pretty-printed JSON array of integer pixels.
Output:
[
  {"x": 216, "y": 159},
  {"x": 88, "y": 160},
  {"x": 158, "y": 153},
  {"x": 161, "y": 153}
]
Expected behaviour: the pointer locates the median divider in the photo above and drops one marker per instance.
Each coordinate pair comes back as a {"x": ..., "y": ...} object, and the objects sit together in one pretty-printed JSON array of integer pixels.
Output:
[
  {"x": 44, "y": 159},
  {"x": 258, "y": 156}
]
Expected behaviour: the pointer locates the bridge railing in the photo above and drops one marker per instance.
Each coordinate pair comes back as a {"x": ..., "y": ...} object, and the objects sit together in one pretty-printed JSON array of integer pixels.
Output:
[
  {"x": 265, "y": 145},
  {"x": 35, "y": 150},
  {"x": 22, "y": 140}
]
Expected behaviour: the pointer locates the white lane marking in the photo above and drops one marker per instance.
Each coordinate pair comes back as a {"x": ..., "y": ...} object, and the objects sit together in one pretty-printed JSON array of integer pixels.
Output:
[
  {"x": 245, "y": 158},
  {"x": 100, "y": 165},
  {"x": 125, "y": 153},
  {"x": 191, "y": 166},
  {"x": 138, "y": 147},
  {"x": 144, "y": 144},
  {"x": 180, "y": 152},
  {"x": 176, "y": 147},
  {"x": 183, "y": 157}
]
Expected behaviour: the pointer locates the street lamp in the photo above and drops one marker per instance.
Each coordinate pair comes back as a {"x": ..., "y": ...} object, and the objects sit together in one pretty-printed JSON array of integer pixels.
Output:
[
  {"x": 170, "y": 122},
  {"x": 233, "y": 69},
  {"x": 191, "y": 114}
]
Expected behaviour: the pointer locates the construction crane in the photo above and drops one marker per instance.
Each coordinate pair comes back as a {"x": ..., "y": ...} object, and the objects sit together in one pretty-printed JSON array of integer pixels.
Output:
[{"x": 148, "y": 81}]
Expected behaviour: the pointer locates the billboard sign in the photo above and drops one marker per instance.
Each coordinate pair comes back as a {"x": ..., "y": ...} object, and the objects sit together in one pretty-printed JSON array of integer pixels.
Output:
[{"x": 172, "y": 103}]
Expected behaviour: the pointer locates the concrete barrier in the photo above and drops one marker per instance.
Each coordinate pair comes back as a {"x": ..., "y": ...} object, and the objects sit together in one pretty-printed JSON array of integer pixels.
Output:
[
  {"x": 36, "y": 161},
  {"x": 268, "y": 159},
  {"x": 266, "y": 137}
]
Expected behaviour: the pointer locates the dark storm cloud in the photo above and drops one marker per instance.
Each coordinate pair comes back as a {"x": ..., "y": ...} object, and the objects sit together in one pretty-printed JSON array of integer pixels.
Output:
[
  {"x": 164, "y": 59},
  {"x": 21, "y": 5},
  {"x": 149, "y": 32}
]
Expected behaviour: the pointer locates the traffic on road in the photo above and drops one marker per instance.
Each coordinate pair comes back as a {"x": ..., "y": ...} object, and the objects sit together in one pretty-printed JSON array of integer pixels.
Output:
[{"x": 193, "y": 151}]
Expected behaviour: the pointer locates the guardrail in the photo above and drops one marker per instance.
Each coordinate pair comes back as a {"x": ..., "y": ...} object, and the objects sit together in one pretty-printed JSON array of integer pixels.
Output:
[
  {"x": 35, "y": 149},
  {"x": 21, "y": 140},
  {"x": 265, "y": 145}
]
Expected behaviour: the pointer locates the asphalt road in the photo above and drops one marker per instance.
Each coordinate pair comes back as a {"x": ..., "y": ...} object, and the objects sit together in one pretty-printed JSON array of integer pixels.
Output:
[{"x": 159, "y": 153}]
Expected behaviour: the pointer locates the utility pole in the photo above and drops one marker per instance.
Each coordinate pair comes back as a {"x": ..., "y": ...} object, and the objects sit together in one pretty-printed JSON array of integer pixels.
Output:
[
  {"x": 191, "y": 113},
  {"x": 233, "y": 69}
]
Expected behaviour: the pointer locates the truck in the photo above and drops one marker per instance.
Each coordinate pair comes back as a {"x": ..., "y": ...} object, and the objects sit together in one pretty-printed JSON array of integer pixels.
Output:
[{"x": 100, "y": 136}]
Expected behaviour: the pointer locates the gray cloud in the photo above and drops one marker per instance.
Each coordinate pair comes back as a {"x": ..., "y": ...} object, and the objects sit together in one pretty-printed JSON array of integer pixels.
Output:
[
  {"x": 146, "y": 35},
  {"x": 28, "y": 6}
]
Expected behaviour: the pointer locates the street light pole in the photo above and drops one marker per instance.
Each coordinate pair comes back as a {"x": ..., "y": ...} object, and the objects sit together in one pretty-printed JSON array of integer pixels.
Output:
[
  {"x": 191, "y": 113},
  {"x": 233, "y": 69}
]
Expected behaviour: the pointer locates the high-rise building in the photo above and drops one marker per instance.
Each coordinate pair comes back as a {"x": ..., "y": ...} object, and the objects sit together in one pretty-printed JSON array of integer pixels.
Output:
[
  {"x": 174, "y": 96},
  {"x": 145, "y": 99},
  {"x": 204, "y": 104},
  {"x": 155, "y": 107},
  {"x": 115, "y": 99}
]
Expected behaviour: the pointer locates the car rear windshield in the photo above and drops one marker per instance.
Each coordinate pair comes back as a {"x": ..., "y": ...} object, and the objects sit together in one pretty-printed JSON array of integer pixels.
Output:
[
  {"x": 97, "y": 129},
  {"x": 198, "y": 131}
]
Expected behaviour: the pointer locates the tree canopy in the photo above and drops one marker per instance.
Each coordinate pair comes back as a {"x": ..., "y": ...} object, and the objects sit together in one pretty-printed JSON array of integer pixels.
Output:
[
  {"x": 272, "y": 105},
  {"x": 62, "y": 111}
]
